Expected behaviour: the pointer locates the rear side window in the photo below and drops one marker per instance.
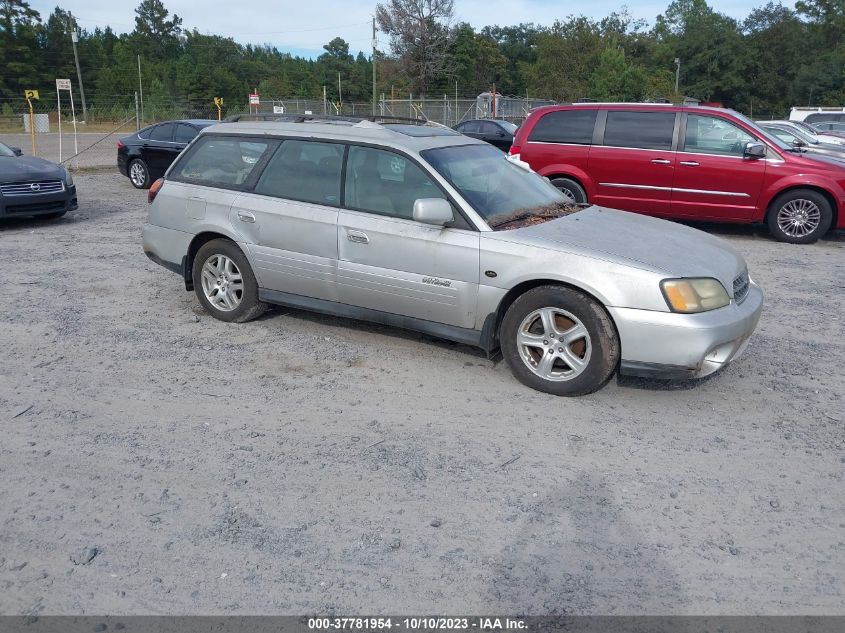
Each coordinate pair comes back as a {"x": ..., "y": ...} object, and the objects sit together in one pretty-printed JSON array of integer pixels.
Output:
[
  {"x": 471, "y": 127},
  {"x": 185, "y": 133},
  {"x": 145, "y": 132},
  {"x": 307, "y": 171},
  {"x": 162, "y": 132},
  {"x": 565, "y": 126},
  {"x": 641, "y": 130},
  {"x": 215, "y": 160}
]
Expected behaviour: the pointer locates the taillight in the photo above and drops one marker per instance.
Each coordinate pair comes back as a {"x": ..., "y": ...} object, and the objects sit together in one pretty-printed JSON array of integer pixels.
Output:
[
  {"x": 153, "y": 192},
  {"x": 514, "y": 151},
  {"x": 120, "y": 145}
]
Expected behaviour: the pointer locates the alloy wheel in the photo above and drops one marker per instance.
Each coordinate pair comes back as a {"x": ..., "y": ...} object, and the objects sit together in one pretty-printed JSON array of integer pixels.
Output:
[
  {"x": 554, "y": 344},
  {"x": 222, "y": 283},
  {"x": 799, "y": 217},
  {"x": 137, "y": 174}
]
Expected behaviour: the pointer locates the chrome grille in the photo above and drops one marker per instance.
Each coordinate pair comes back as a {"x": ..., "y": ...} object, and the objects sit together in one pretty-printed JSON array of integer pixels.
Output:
[
  {"x": 741, "y": 287},
  {"x": 33, "y": 188}
]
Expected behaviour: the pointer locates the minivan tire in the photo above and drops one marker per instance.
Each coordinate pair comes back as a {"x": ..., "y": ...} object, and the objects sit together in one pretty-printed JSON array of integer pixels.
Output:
[
  {"x": 592, "y": 339},
  {"x": 140, "y": 179},
  {"x": 803, "y": 206},
  {"x": 248, "y": 306},
  {"x": 570, "y": 189}
]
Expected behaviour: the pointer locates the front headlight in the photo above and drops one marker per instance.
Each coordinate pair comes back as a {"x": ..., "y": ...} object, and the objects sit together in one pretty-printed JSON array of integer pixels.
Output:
[
  {"x": 68, "y": 177},
  {"x": 694, "y": 295}
]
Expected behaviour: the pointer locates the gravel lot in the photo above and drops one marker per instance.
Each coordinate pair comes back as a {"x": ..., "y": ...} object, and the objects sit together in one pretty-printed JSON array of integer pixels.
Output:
[{"x": 155, "y": 460}]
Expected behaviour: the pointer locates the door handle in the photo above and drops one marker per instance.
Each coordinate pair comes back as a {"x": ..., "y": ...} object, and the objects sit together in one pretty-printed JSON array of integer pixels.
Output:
[
  {"x": 359, "y": 237},
  {"x": 689, "y": 163},
  {"x": 246, "y": 216},
  {"x": 661, "y": 161}
]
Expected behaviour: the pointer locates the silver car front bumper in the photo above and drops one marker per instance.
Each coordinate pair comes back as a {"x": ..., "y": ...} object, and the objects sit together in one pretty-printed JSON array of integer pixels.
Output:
[{"x": 676, "y": 346}]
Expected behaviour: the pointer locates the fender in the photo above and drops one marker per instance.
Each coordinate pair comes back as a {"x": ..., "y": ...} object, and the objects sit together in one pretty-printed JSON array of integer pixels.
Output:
[
  {"x": 801, "y": 180},
  {"x": 565, "y": 169}
]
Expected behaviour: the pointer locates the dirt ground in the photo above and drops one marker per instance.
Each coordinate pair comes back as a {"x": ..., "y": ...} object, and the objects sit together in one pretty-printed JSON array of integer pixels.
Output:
[{"x": 155, "y": 460}]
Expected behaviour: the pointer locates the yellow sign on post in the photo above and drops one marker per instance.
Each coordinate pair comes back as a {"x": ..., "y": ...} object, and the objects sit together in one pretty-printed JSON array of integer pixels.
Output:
[
  {"x": 29, "y": 95},
  {"x": 218, "y": 101}
]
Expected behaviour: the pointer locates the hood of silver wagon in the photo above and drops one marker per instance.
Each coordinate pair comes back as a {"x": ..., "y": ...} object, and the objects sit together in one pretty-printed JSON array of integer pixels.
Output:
[{"x": 639, "y": 240}]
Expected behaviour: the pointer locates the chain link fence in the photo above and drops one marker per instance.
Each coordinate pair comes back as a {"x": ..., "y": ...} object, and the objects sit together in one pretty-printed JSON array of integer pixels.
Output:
[{"x": 90, "y": 141}]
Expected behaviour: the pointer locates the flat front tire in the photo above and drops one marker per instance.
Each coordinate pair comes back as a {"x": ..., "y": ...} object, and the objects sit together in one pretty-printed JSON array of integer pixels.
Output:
[
  {"x": 558, "y": 340},
  {"x": 225, "y": 284}
]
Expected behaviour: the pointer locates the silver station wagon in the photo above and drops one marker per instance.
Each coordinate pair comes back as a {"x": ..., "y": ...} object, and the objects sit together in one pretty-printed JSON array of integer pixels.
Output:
[{"x": 416, "y": 226}]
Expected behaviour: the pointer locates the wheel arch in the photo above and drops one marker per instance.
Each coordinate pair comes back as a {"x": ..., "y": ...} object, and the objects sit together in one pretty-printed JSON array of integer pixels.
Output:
[
  {"x": 572, "y": 173},
  {"x": 200, "y": 239},
  {"x": 493, "y": 323},
  {"x": 811, "y": 187}
]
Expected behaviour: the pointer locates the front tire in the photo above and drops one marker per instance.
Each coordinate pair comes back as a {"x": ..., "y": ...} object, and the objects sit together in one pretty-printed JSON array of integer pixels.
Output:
[
  {"x": 800, "y": 216},
  {"x": 570, "y": 189},
  {"x": 225, "y": 284},
  {"x": 560, "y": 341},
  {"x": 139, "y": 174}
]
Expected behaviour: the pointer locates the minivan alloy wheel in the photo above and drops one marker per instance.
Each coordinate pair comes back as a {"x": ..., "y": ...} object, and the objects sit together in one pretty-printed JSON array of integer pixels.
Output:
[
  {"x": 222, "y": 283},
  {"x": 554, "y": 344},
  {"x": 137, "y": 174},
  {"x": 799, "y": 217}
]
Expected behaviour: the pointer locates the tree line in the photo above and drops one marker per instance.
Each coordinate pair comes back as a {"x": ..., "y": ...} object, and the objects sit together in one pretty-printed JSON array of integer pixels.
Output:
[{"x": 777, "y": 57}]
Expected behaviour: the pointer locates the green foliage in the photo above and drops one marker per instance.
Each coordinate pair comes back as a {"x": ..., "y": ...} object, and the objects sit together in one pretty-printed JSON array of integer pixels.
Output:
[{"x": 776, "y": 58}]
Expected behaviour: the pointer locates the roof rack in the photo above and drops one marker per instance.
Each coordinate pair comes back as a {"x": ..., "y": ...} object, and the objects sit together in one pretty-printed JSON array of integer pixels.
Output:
[{"x": 330, "y": 118}]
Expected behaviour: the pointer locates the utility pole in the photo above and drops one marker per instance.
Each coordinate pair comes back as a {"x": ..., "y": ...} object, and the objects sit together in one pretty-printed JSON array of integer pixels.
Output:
[
  {"x": 677, "y": 72},
  {"x": 74, "y": 38},
  {"x": 339, "y": 93},
  {"x": 141, "y": 88},
  {"x": 374, "y": 65}
]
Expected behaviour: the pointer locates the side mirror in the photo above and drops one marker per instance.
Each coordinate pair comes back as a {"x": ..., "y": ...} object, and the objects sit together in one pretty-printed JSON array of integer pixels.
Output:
[
  {"x": 798, "y": 143},
  {"x": 17, "y": 151},
  {"x": 436, "y": 211},
  {"x": 755, "y": 149}
]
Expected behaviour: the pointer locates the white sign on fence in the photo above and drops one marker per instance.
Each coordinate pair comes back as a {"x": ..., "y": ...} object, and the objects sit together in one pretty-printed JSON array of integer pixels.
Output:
[
  {"x": 64, "y": 84},
  {"x": 277, "y": 109}
]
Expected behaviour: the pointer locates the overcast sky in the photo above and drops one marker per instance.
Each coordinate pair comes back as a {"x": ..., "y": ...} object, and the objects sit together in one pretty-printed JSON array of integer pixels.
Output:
[{"x": 303, "y": 27}]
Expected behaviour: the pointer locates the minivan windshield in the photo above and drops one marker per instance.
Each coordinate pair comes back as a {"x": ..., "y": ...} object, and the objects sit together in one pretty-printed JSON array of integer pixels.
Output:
[{"x": 501, "y": 192}]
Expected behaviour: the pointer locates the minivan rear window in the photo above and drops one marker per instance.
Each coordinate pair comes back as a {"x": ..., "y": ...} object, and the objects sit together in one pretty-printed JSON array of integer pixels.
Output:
[
  {"x": 639, "y": 130},
  {"x": 565, "y": 126},
  {"x": 818, "y": 117}
]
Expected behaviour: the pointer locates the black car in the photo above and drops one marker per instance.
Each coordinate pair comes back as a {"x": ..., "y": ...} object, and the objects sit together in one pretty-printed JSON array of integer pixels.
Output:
[
  {"x": 803, "y": 142},
  {"x": 495, "y": 131},
  {"x": 33, "y": 186},
  {"x": 147, "y": 154}
]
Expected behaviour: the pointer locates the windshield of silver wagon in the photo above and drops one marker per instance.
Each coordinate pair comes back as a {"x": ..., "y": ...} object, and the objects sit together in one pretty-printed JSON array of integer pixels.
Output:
[{"x": 492, "y": 184}]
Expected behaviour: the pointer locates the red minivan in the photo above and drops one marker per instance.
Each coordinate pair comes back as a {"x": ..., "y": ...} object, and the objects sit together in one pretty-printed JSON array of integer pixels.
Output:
[{"x": 684, "y": 162}]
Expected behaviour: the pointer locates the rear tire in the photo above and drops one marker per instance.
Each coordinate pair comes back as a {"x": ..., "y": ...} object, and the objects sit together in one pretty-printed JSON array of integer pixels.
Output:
[
  {"x": 225, "y": 284},
  {"x": 560, "y": 341},
  {"x": 800, "y": 216},
  {"x": 570, "y": 189},
  {"x": 139, "y": 174}
]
